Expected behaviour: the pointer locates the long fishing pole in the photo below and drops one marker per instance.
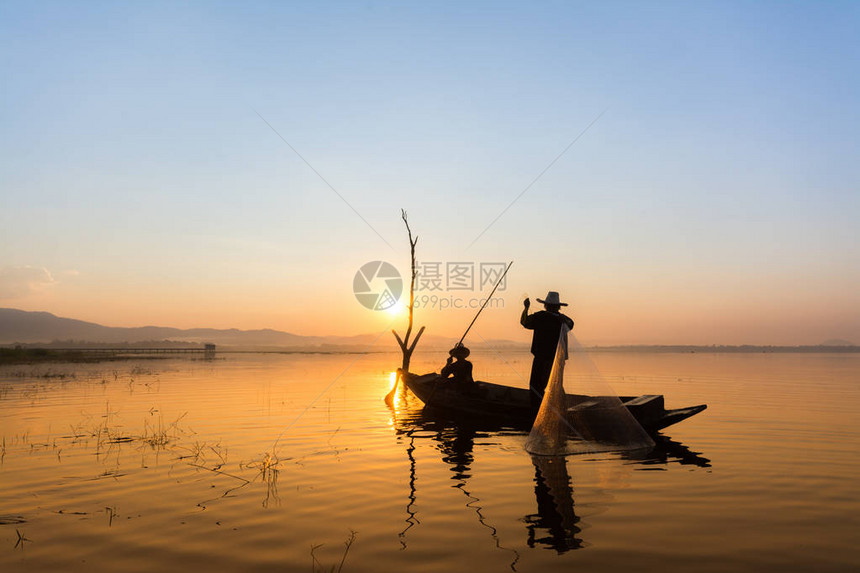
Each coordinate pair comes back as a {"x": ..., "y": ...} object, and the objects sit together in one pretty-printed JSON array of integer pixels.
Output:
[{"x": 485, "y": 303}]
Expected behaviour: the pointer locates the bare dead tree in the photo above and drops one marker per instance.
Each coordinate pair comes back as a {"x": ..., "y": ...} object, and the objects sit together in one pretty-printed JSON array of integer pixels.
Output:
[{"x": 405, "y": 347}]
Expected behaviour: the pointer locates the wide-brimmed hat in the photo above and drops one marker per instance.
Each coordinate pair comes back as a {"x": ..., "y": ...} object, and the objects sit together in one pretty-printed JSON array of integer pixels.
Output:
[
  {"x": 552, "y": 299},
  {"x": 460, "y": 351}
]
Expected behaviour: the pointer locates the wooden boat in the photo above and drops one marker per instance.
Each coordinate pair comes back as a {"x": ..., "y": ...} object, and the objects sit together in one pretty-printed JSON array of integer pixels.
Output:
[{"x": 486, "y": 400}]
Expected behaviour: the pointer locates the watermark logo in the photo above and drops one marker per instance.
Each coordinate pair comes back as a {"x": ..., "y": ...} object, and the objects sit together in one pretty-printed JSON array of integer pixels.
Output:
[{"x": 377, "y": 285}]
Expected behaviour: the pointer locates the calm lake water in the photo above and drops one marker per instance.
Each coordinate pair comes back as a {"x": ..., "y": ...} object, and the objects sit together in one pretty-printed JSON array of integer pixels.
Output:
[{"x": 271, "y": 462}]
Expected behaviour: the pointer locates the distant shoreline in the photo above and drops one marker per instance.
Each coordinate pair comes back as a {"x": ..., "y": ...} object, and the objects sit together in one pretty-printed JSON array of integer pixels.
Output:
[
  {"x": 32, "y": 354},
  {"x": 42, "y": 355},
  {"x": 29, "y": 329},
  {"x": 727, "y": 349}
]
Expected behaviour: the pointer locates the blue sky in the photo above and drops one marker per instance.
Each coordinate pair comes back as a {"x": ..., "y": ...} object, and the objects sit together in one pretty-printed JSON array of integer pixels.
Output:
[{"x": 714, "y": 201}]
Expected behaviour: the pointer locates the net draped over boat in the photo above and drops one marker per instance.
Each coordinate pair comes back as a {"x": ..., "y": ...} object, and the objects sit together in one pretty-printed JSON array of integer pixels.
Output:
[{"x": 592, "y": 420}]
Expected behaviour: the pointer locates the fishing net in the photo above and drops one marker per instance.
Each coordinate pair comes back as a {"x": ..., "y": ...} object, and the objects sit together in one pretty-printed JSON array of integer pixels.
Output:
[{"x": 592, "y": 420}]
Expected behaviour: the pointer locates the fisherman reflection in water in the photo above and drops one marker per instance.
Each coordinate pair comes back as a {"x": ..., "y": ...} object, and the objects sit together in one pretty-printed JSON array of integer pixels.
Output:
[
  {"x": 546, "y": 325},
  {"x": 459, "y": 370},
  {"x": 556, "y": 523}
]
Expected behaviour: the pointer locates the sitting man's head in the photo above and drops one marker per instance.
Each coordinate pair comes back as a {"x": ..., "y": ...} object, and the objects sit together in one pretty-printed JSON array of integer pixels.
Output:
[{"x": 459, "y": 352}]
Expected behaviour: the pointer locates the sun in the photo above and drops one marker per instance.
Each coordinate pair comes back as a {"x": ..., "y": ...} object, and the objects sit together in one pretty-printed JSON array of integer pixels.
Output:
[{"x": 396, "y": 309}]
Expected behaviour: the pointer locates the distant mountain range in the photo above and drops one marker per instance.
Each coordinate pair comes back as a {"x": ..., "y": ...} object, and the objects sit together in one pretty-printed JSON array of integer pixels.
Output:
[
  {"x": 837, "y": 342},
  {"x": 46, "y": 329}
]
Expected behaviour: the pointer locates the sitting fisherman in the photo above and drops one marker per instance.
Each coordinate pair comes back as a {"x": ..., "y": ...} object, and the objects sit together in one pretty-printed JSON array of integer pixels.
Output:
[{"x": 459, "y": 370}]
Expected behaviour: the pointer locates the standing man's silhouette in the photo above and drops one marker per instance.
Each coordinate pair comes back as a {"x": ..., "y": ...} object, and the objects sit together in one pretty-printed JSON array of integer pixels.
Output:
[{"x": 546, "y": 325}]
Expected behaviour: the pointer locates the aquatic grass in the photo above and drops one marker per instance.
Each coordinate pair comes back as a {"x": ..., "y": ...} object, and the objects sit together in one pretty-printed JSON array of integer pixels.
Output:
[
  {"x": 158, "y": 435},
  {"x": 111, "y": 514},
  {"x": 21, "y": 540},
  {"x": 269, "y": 469},
  {"x": 221, "y": 452},
  {"x": 108, "y": 432},
  {"x": 229, "y": 491},
  {"x": 155, "y": 434},
  {"x": 317, "y": 566},
  {"x": 197, "y": 453},
  {"x": 57, "y": 373}
]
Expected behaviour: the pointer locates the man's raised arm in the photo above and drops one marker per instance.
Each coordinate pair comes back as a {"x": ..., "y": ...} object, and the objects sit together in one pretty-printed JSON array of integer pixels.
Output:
[{"x": 526, "y": 319}]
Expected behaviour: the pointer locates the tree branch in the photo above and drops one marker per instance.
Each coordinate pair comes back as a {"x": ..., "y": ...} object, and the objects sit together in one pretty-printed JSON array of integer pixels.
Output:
[
  {"x": 399, "y": 341},
  {"x": 415, "y": 342},
  {"x": 405, "y": 347}
]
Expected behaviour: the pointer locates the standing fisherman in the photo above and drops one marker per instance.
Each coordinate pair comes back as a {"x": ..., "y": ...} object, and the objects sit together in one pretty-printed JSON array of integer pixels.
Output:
[{"x": 546, "y": 325}]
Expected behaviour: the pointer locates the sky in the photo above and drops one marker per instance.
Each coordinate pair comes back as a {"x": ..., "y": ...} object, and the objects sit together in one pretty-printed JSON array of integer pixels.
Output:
[{"x": 680, "y": 172}]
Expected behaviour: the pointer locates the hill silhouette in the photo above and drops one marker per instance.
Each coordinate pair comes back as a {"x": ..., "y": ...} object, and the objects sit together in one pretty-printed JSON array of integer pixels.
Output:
[{"x": 26, "y": 327}]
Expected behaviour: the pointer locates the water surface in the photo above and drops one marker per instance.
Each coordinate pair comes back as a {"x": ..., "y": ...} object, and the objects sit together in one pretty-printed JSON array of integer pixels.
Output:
[{"x": 271, "y": 462}]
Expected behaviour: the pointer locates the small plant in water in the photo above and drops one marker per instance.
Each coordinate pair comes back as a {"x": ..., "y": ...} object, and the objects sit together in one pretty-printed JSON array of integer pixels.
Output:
[
  {"x": 317, "y": 567},
  {"x": 156, "y": 435},
  {"x": 21, "y": 540},
  {"x": 269, "y": 470}
]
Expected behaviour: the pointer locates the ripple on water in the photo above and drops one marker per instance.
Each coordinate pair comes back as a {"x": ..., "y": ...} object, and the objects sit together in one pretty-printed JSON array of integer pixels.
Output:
[{"x": 246, "y": 464}]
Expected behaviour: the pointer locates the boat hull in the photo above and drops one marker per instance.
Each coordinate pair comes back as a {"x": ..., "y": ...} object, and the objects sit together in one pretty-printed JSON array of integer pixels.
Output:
[{"x": 484, "y": 400}]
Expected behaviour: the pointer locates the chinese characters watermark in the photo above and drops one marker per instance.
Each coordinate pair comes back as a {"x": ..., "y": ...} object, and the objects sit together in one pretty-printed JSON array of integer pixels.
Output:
[{"x": 459, "y": 276}]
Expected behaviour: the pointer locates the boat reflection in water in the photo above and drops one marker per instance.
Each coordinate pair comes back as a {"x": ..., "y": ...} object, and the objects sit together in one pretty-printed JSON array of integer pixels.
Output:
[{"x": 555, "y": 525}]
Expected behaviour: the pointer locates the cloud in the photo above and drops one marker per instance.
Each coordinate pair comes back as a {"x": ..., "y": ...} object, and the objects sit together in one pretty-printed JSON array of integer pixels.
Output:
[{"x": 18, "y": 282}]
